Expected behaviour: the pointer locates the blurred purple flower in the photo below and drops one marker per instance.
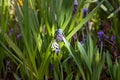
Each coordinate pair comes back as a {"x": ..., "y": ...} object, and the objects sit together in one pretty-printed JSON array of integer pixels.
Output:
[
  {"x": 75, "y": 36},
  {"x": 112, "y": 39},
  {"x": 101, "y": 35},
  {"x": 19, "y": 36},
  {"x": 87, "y": 26},
  {"x": 11, "y": 31},
  {"x": 75, "y": 6},
  {"x": 59, "y": 35},
  {"x": 57, "y": 50},
  {"x": 83, "y": 40},
  {"x": 85, "y": 10},
  {"x": 51, "y": 66}
]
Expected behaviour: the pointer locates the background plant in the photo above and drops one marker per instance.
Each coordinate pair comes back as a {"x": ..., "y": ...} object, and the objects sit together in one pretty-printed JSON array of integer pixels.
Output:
[{"x": 37, "y": 39}]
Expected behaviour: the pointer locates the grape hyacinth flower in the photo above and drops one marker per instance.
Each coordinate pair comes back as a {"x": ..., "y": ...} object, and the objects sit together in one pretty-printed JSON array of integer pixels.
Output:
[
  {"x": 55, "y": 47},
  {"x": 51, "y": 66},
  {"x": 75, "y": 6},
  {"x": 19, "y": 36},
  {"x": 59, "y": 35},
  {"x": 85, "y": 10},
  {"x": 75, "y": 36},
  {"x": 100, "y": 34},
  {"x": 101, "y": 37},
  {"x": 112, "y": 39},
  {"x": 83, "y": 40},
  {"x": 11, "y": 31}
]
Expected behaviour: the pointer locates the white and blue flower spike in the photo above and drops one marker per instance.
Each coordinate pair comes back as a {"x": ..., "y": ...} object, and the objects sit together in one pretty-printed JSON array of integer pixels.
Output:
[{"x": 55, "y": 47}]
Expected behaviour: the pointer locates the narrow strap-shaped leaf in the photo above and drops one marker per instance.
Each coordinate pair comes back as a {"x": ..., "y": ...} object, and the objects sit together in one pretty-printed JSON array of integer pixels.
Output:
[
  {"x": 91, "y": 48},
  {"x": 10, "y": 54},
  {"x": 14, "y": 47},
  {"x": 84, "y": 56},
  {"x": 109, "y": 62},
  {"x": 72, "y": 53},
  {"x": 69, "y": 77},
  {"x": 118, "y": 72},
  {"x": 100, "y": 66}
]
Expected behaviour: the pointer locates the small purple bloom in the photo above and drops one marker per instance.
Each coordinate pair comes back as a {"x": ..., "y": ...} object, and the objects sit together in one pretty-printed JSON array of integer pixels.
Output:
[
  {"x": 83, "y": 40},
  {"x": 101, "y": 37},
  {"x": 106, "y": 37},
  {"x": 112, "y": 39},
  {"x": 74, "y": 10},
  {"x": 57, "y": 50},
  {"x": 51, "y": 66},
  {"x": 11, "y": 31},
  {"x": 75, "y": 36},
  {"x": 75, "y": 6},
  {"x": 59, "y": 35},
  {"x": 19, "y": 36},
  {"x": 100, "y": 34},
  {"x": 87, "y": 26},
  {"x": 85, "y": 10}
]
